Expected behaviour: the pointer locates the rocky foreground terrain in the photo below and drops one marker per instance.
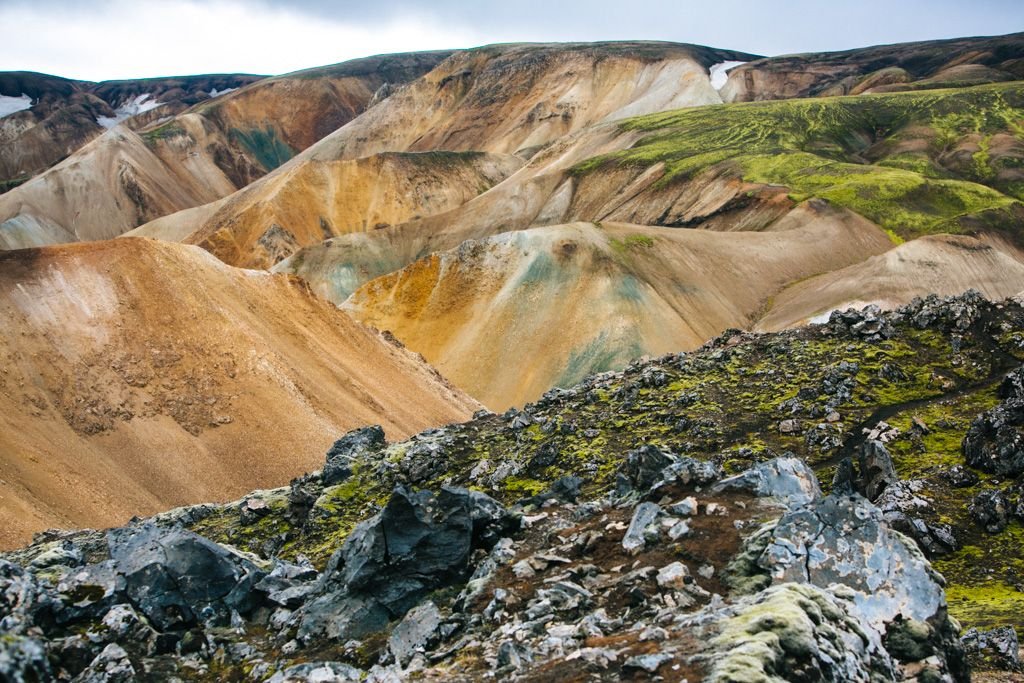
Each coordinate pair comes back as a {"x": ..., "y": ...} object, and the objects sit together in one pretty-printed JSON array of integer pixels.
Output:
[{"x": 840, "y": 502}]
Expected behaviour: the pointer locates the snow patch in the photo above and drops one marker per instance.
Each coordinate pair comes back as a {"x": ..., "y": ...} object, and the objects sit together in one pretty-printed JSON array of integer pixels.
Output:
[
  {"x": 10, "y": 105},
  {"x": 720, "y": 73},
  {"x": 214, "y": 92},
  {"x": 137, "y": 105}
]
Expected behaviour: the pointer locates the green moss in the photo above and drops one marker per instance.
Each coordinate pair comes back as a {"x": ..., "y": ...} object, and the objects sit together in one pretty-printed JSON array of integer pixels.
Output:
[
  {"x": 819, "y": 148},
  {"x": 265, "y": 145},
  {"x": 631, "y": 243}
]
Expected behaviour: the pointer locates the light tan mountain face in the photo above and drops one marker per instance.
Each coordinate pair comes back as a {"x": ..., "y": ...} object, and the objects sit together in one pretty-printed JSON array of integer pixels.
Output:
[
  {"x": 137, "y": 375},
  {"x": 44, "y": 119},
  {"x": 507, "y": 99},
  {"x": 151, "y": 167}
]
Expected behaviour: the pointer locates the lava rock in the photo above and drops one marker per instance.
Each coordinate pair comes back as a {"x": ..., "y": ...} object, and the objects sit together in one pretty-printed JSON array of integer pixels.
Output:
[
  {"x": 990, "y": 509},
  {"x": 338, "y": 465},
  {"x": 565, "y": 490},
  {"x": 643, "y": 466},
  {"x": 844, "y": 539},
  {"x": 417, "y": 543},
  {"x": 176, "y": 577},
  {"x": 995, "y": 440},
  {"x": 998, "y": 647},
  {"x": 960, "y": 477},
  {"x": 318, "y": 672},
  {"x": 876, "y": 469},
  {"x": 415, "y": 632},
  {"x": 787, "y": 479},
  {"x": 644, "y": 516},
  {"x": 112, "y": 665},
  {"x": 23, "y": 660}
]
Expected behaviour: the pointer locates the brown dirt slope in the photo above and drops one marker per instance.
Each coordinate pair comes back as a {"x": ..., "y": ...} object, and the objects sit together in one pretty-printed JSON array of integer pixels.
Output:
[
  {"x": 941, "y": 264},
  {"x": 137, "y": 375},
  {"x": 63, "y": 116},
  {"x": 882, "y": 68},
  {"x": 508, "y": 317},
  {"x": 318, "y": 200}
]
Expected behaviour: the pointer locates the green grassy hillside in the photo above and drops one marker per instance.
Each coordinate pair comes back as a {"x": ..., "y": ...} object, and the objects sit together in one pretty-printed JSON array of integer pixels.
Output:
[{"x": 915, "y": 163}]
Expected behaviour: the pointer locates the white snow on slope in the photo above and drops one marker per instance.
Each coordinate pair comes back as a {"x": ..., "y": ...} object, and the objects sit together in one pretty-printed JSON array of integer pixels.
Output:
[
  {"x": 9, "y": 105},
  {"x": 129, "y": 109},
  {"x": 720, "y": 73},
  {"x": 225, "y": 91}
]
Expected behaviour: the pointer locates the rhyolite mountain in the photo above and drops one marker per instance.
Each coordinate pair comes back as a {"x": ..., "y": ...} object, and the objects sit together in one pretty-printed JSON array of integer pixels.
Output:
[
  {"x": 166, "y": 159},
  {"x": 771, "y": 507},
  {"x": 44, "y": 118}
]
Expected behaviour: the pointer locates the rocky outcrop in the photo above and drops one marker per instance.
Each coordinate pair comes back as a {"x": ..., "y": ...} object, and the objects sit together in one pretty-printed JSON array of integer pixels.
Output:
[
  {"x": 417, "y": 543},
  {"x": 995, "y": 441}
]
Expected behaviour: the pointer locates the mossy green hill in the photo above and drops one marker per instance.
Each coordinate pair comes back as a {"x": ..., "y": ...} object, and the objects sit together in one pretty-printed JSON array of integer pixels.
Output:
[{"x": 915, "y": 163}]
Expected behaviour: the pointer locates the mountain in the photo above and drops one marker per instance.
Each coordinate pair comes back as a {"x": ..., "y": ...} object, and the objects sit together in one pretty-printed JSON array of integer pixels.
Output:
[
  {"x": 139, "y": 375},
  {"x": 903, "y": 167},
  {"x": 667, "y": 518},
  {"x": 507, "y": 317},
  {"x": 503, "y": 99},
  {"x": 44, "y": 119},
  {"x": 133, "y": 174},
  {"x": 884, "y": 68}
]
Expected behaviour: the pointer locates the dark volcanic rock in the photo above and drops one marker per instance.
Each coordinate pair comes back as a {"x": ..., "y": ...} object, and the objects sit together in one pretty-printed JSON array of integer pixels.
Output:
[
  {"x": 844, "y": 540},
  {"x": 338, "y": 466},
  {"x": 648, "y": 466},
  {"x": 876, "y": 469},
  {"x": 417, "y": 543},
  {"x": 23, "y": 660},
  {"x": 991, "y": 510},
  {"x": 786, "y": 479},
  {"x": 998, "y": 647},
  {"x": 177, "y": 578},
  {"x": 995, "y": 441}
]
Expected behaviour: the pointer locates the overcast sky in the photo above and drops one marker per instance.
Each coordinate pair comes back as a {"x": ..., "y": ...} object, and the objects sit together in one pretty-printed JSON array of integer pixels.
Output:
[{"x": 106, "y": 39}]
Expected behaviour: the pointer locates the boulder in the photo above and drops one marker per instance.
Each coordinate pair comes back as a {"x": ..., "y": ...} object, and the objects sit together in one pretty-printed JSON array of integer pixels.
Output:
[
  {"x": 565, "y": 490},
  {"x": 787, "y": 479},
  {"x": 318, "y": 672},
  {"x": 87, "y": 593},
  {"x": 417, "y": 543},
  {"x": 876, "y": 469},
  {"x": 176, "y": 578},
  {"x": 416, "y": 630},
  {"x": 991, "y": 510},
  {"x": 19, "y": 598},
  {"x": 338, "y": 465},
  {"x": 23, "y": 659},
  {"x": 844, "y": 539},
  {"x": 112, "y": 665},
  {"x": 643, "y": 517},
  {"x": 791, "y": 632},
  {"x": 998, "y": 647},
  {"x": 887, "y": 580},
  {"x": 995, "y": 440}
]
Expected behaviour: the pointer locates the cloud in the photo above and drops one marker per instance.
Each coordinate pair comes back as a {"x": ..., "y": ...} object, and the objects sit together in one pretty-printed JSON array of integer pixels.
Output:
[
  {"x": 120, "y": 39},
  {"x": 124, "y": 39}
]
